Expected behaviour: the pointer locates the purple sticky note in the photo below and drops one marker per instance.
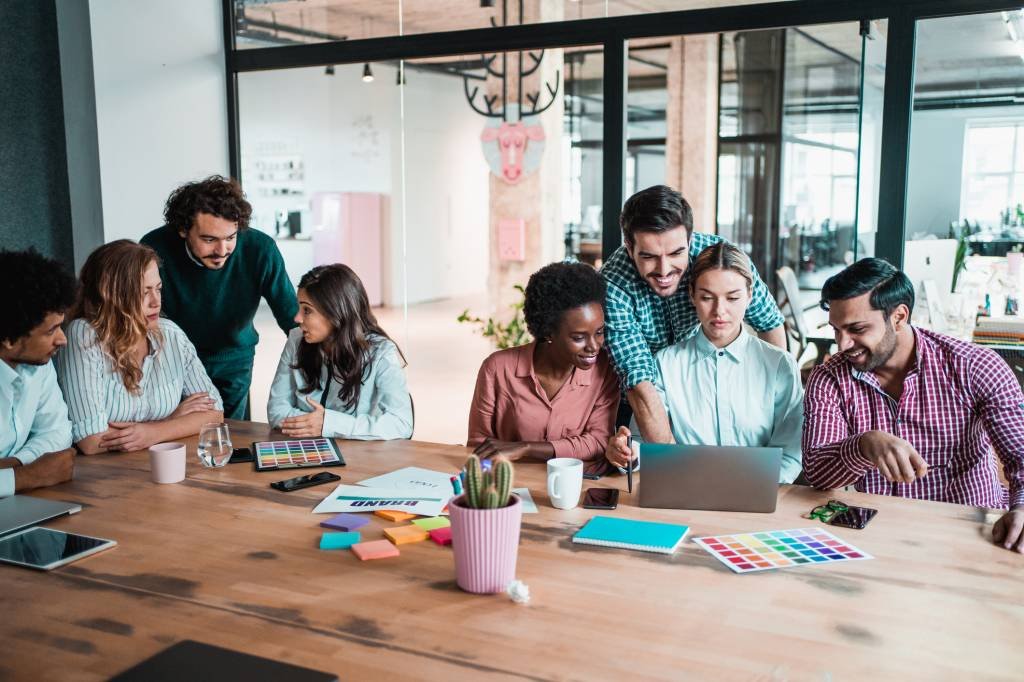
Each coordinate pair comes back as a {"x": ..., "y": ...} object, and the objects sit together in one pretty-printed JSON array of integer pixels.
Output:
[{"x": 345, "y": 522}]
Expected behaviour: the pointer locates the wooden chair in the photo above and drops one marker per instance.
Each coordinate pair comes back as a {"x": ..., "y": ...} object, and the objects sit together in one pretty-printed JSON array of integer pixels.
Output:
[{"x": 798, "y": 332}]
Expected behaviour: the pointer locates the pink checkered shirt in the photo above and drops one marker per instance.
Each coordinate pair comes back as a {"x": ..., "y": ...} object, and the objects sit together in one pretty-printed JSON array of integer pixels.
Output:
[{"x": 959, "y": 401}]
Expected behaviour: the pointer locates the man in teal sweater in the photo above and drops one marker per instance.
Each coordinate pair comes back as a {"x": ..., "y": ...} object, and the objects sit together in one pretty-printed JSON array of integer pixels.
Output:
[{"x": 214, "y": 271}]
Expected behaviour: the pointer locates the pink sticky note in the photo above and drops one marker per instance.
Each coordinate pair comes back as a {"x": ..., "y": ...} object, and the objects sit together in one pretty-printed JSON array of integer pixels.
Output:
[{"x": 442, "y": 536}]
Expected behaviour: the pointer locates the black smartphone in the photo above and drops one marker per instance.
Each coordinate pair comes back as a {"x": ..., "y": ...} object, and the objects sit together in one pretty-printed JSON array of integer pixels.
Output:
[
  {"x": 601, "y": 498},
  {"x": 591, "y": 477},
  {"x": 854, "y": 517},
  {"x": 300, "y": 482},
  {"x": 241, "y": 455}
]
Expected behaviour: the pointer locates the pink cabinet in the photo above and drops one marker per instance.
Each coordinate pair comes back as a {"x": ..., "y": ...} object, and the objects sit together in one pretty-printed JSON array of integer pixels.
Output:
[{"x": 347, "y": 228}]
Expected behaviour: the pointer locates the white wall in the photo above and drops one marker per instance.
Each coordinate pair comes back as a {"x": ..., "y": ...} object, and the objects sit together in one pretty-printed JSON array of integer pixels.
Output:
[
  {"x": 936, "y": 166},
  {"x": 160, "y": 104},
  {"x": 348, "y": 136}
]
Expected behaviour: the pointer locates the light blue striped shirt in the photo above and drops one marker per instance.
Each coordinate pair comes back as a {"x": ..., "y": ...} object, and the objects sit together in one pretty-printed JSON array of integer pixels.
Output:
[
  {"x": 747, "y": 394},
  {"x": 33, "y": 416},
  {"x": 96, "y": 394},
  {"x": 384, "y": 410}
]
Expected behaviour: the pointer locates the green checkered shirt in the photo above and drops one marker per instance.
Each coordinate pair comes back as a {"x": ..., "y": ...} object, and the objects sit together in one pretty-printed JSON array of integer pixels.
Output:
[{"x": 639, "y": 323}]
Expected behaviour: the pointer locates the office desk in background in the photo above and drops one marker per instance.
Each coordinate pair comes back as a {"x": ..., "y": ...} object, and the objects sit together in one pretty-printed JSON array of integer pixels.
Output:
[{"x": 224, "y": 559}]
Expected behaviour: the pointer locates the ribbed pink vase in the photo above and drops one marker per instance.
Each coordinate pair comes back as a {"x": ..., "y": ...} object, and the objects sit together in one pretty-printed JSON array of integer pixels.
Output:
[{"x": 485, "y": 543}]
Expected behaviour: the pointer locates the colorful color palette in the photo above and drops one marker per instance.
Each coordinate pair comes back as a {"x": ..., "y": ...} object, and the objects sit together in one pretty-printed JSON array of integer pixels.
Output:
[
  {"x": 765, "y": 550},
  {"x": 301, "y": 452}
]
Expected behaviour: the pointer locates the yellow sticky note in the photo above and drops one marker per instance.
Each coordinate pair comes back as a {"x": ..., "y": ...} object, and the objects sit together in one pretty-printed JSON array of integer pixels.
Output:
[
  {"x": 405, "y": 534},
  {"x": 396, "y": 516}
]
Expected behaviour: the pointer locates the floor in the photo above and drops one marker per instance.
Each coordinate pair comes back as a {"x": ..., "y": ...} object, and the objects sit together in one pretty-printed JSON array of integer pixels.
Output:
[{"x": 443, "y": 356}]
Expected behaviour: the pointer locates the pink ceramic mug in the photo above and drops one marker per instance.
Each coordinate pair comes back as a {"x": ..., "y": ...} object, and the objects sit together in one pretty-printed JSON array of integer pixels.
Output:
[{"x": 167, "y": 462}]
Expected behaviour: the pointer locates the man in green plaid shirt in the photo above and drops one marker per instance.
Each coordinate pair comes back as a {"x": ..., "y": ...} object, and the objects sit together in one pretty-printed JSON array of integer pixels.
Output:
[{"x": 648, "y": 305}]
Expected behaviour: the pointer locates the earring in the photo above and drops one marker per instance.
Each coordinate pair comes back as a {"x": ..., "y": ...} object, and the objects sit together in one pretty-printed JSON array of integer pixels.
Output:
[{"x": 549, "y": 340}]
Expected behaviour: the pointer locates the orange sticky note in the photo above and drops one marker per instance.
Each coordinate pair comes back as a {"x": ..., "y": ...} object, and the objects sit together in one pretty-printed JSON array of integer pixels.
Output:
[
  {"x": 404, "y": 534},
  {"x": 377, "y": 549},
  {"x": 396, "y": 516}
]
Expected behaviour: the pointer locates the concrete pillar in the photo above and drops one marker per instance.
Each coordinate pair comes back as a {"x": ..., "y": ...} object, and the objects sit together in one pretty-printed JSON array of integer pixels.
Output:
[
  {"x": 691, "y": 154},
  {"x": 536, "y": 198}
]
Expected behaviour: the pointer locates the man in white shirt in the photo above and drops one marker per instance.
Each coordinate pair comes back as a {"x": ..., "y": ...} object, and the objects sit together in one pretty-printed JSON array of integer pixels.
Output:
[{"x": 35, "y": 433}]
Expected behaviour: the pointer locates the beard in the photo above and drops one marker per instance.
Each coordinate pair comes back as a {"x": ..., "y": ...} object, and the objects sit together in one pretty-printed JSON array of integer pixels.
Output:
[{"x": 883, "y": 351}]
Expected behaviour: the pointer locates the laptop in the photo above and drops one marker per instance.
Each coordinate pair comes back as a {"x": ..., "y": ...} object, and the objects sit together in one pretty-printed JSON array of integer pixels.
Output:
[
  {"x": 22, "y": 511},
  {"x": 709, "y": 477}
]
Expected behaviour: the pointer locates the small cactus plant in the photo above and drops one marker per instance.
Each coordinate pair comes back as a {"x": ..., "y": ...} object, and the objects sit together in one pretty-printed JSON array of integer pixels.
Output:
[{"x": 488, "y": 489}]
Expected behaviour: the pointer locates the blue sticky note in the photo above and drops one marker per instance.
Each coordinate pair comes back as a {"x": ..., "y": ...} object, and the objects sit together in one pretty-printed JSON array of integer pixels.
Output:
[
  {"x": 339, "y": 540},
  {"x": 345, "y": 522}
]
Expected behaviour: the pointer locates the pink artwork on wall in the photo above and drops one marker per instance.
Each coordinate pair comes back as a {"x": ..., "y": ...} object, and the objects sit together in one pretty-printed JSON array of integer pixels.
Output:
[
  {"x": 512, "y": 239},
  {"x": 514, "y": 155}
]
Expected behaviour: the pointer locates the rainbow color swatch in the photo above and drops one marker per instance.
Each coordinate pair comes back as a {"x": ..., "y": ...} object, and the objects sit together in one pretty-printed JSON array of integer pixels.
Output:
[
  {"x": 302, "y": 452},
  {"x": 765, "y": 550}
]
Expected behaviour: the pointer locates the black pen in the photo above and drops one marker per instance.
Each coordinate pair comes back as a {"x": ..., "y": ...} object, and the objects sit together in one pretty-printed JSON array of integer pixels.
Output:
[{"x": 629, "y": 464}]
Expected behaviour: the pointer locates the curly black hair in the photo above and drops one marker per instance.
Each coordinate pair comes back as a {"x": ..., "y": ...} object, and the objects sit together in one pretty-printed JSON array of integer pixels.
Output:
[
  {"x": 31, "y": 287},
  {"x": 216, "y": 195},
  {"x": 556, "y": 289}
]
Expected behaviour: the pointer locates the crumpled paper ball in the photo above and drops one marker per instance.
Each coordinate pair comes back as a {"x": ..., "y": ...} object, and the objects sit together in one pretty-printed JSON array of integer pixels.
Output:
[{"x": 518, "y": 591}]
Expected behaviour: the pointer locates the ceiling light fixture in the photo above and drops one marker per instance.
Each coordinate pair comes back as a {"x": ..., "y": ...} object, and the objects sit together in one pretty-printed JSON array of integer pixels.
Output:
[
  {"x": 329, "y": 70},
  {"x": 367, "y": 73}
]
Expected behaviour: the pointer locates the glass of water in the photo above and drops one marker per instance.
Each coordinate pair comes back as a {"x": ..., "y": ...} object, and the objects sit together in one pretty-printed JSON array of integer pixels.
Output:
[{"x": 214, "y": 445}]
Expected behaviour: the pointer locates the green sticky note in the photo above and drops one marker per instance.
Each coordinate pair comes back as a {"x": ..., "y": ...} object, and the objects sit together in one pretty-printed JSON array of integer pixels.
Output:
[
  {"x": 339, "y": 540},
  {"x": 433, "y": 522}
]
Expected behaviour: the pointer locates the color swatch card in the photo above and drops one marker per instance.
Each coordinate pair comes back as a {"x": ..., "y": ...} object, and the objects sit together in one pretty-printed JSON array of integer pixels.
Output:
[
  {"x": 301, "y": 452},
  {"x": 358, "y": 498},
  {"x": 646, "y": 536},
  {"x": 763, "y": 551}
]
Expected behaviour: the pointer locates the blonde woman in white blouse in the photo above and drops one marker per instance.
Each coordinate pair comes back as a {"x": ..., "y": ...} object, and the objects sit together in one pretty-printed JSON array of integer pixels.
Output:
[
  {"x": 130, "y": 378},
  {"x": 720, "y": 384}
]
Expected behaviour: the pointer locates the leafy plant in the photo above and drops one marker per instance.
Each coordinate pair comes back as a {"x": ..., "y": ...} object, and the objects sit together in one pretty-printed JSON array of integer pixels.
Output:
[
  {"x": 503, "y": 335},
  {"x": 488, "y": 489},
  {"x": 960, "y": 233}
]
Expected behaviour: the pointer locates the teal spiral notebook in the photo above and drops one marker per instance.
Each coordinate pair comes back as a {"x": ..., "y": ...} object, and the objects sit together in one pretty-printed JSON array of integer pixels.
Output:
[{"x": 645, "y": 536}]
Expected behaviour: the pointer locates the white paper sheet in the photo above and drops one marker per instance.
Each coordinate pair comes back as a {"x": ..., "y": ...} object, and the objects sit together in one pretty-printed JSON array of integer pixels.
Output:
[
  {"x": 408, "y": 478},
  {"x": 529, "y": 506},
  {"x": 358, "y": 498}
]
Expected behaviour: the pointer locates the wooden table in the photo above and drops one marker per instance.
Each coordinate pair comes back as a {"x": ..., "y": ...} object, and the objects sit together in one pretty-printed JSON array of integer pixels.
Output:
[{"x": 224, "y": 559}]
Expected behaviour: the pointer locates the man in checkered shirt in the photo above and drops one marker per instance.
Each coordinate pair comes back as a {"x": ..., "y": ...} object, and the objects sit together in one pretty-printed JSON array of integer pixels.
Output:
[
  {"x": 648, "y": 304},
  {"x": 909, "y": 412}
]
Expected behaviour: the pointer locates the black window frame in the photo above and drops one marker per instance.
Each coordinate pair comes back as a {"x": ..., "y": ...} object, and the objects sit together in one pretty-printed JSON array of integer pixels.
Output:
[{"x": 613, "y": 34}]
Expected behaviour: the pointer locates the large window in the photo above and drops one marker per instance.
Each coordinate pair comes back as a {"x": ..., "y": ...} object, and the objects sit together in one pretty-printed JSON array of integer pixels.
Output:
[{"x": 993, "y": 184}]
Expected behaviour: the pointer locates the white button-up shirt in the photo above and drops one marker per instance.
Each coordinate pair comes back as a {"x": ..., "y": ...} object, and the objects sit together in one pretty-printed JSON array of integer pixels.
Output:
[{"x": 33, "y": 416}]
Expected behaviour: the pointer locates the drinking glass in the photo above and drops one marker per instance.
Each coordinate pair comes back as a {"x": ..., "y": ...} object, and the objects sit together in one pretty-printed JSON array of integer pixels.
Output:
[{"x": 214, "y": 445}]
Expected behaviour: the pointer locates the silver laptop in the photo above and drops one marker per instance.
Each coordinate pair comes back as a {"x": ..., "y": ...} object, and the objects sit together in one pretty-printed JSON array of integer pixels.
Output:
[
  {"x": 22, "y": 511},
  {"x": 709, "y": 477}
]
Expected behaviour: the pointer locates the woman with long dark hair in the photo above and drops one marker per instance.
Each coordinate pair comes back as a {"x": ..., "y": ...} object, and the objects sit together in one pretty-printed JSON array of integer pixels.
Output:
[{"x": 340, "y": 374}]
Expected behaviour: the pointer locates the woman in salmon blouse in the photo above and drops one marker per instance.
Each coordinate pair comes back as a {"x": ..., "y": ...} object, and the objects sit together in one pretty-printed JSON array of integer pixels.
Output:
[{"x": 558, "y": 395}]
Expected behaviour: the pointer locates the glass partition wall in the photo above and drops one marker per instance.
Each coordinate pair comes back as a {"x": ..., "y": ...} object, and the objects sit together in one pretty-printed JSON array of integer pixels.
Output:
[{"x": 446, "y": 167}]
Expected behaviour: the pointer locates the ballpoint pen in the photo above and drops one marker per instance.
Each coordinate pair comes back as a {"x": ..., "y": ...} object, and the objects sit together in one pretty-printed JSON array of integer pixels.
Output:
[{"x": 629, "y": 465}]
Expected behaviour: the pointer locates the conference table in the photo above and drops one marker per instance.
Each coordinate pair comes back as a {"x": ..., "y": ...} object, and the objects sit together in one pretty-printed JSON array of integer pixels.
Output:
[{"x": 224, "y": 559}]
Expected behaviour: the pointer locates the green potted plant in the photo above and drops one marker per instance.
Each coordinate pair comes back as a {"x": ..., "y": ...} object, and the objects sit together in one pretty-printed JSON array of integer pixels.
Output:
[
  {"x": 503, "y": 334},
  {"x": 485, "y": 528}
]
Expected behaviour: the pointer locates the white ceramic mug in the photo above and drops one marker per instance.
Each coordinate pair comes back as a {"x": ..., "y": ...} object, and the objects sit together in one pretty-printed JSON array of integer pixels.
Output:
[
  {"x": 167, "y": 462},
  {"x": 565, "y": 481}
]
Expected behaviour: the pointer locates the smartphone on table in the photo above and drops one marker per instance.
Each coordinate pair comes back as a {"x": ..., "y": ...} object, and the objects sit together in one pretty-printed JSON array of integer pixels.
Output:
[
  {"x": 601, "y": 498},
  {"x": 854, "y": 517},
  {"x": 307, "y": 481}
]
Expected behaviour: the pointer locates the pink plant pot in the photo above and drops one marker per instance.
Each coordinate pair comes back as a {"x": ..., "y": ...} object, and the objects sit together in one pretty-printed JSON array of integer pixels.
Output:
[{"x": 486, "y": 544}]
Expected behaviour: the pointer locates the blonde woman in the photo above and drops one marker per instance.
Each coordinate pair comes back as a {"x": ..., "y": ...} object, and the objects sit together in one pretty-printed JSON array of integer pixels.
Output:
[
  {"x": 720, "y": 384},
  {"x": 130, "y": 377}
]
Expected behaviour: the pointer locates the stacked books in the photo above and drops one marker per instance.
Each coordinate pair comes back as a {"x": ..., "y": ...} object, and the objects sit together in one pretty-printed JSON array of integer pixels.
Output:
[{"x": 1003, "y": 331}]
